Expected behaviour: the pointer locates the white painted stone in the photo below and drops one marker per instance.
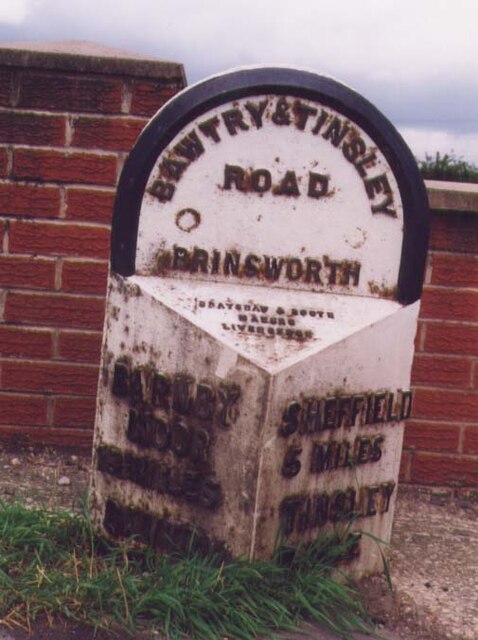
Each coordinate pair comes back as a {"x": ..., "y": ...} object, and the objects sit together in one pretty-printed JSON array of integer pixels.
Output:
[
  {"x": 234, "y": 361},
  {"x": 156, "y": 324}
]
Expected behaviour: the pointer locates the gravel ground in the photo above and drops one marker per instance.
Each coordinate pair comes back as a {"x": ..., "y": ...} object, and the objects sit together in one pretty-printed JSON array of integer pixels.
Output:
[
  {"x": 434, "y": 551},
  {"x": 435, "y": 560}
]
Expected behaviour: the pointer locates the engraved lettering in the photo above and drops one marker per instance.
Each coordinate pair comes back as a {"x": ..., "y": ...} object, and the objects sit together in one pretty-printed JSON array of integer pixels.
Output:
[
  {"x": 369, "y": 159},
  {"x": 302, "y": 513},
  {"x": 205, "y": 402},
  {"x": 209, "y": 128},
  {"x": 200, "y": 441},
  {"x": 121, "y": 380},
  {"x": 234, "y": 120},
  {"x": 234, "y": 175},
  {"x": 324, "y": 457},
  {"x": 292, "y": 465},
  {"x": 199, "y": 261},
  {"x": 312, "y": 271},
  {"x": 173, "y": 169},
  {"x": 138, "y": 386},
  {"x": 190, "y": 147},
  {"x": 181, "y": 393},
  {"x": 379, "y": 407},
  {"x": 261, "y": 180},
  {"x": 320, "y": 121},
  {"x": 387, "y": 491},
  {"x": 231, "y": 263},
  {"x": 312, "y": 417},
  {"x": 160, "y": 433},
  {"x": 161, "y": 190},
  {"x": 256, "y": 111},
  {"x": 180, "y": 438},
  {"x": 376, "y": 185},
  {"x": 334, "y": 412},
  {"x": 318, "y": 185},
  {"x": 228, "y": 396},
  {"x": 273, "y": 268},
  {"x": 302, "y": 112},
  {"x": 251, "y": 266},
  {"x": 180, "y": 258},
  {"x": 290, "y": 419},
  {"x": 336, "y": 132},
  {"x": 353, "y": 149},
  {"x": 281, "y": 114},
  {"x": 288, "y": 511},
  {"x": 294, "y": 269},
  {"x": 288, "y": 185}
]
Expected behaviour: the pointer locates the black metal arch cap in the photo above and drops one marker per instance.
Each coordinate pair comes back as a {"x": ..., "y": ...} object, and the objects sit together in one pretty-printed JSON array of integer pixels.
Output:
[{"x": 201, "y": 97}]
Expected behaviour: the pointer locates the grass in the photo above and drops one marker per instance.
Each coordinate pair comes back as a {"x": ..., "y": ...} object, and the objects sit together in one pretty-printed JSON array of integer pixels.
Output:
[
  {"x": 53, "y": 564},
  {"x": 447, "y": 167}
]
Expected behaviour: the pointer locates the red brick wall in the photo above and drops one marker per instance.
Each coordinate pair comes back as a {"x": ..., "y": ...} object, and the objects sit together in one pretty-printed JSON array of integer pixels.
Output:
[
  {"x": 441, "y": 442},
  {"x": 64, "y": 134}
]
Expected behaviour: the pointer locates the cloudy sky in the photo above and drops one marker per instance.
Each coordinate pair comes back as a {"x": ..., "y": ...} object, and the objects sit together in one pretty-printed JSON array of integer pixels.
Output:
[{"x": 417, "y": 60}]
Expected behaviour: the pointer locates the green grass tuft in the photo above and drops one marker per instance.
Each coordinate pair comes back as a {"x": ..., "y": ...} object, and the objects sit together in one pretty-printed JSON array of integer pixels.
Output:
[{"x": 53, "y": 564}]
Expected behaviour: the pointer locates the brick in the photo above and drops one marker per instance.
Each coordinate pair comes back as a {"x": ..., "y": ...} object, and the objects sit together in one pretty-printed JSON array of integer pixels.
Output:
[
  {"x": 64, "y": 166},
  {"x": 19, "y": 436},
  {"x": 49, "y": 377},
  {"x": 74, "y": 412},
  {"x": 22, "y": 409},
  {"x": 449, "y": 304},
  {"x": 30, "y": 273},
  {"x": 32, "y": 128},
  {"x": 455, "y": 270},
  {"x": 18, "y": 199},
  {"x": 470, "y": 442},
  {"x": 431, "y": 436},
  {"x": 443, "y": 337},
  {"x": 88, "y": 204},
  {"x": 3, "y": 163},
  {"x": 84, "y": 277},
  {"x": 25, "y": 343},
  {"x": 445, "y": 405},
  {"x": 54, "y": 310},
  {"x": 3, "y": 230},
  {"x": 59, "y": 239},
  {"x": 58, "y": 92},
  {"x": 5, "y": 87},
  {"x": 441, "y": 371},
  {"x": 148, "y": 97},
  {"x": 454, "y": 232},
  {"x": 405, "y": 461},
  {"x": 114, "y": 134},
  {"x": 440, "y": 469},
  {"x": 80, "y": 347}
]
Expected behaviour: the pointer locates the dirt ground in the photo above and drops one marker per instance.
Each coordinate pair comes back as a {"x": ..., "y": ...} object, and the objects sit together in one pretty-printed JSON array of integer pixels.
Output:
[{"x": 434, "y": 557}]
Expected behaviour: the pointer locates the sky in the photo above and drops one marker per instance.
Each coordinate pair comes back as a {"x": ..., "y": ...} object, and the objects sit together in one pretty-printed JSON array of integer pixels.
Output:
[{"x": 416, "y": 60}]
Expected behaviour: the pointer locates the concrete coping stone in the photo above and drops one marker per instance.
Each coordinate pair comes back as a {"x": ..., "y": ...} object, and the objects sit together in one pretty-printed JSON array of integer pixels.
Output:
[
  {"x": 452, "y": 196},
  {"x": 87, "y": 57}
]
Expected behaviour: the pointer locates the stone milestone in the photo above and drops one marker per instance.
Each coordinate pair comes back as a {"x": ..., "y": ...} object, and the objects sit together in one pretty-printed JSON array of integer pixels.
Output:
[{"x": 268, "y": 246}]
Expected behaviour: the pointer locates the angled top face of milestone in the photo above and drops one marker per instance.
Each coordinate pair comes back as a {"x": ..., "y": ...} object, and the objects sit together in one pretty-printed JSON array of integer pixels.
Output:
[{"x": 273, "y": 177}]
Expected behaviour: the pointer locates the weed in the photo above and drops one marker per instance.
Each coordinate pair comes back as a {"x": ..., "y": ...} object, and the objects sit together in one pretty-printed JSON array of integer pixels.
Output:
[
  {"x": 447, "y": 167},
  {"x": 53, "y": 564}
]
